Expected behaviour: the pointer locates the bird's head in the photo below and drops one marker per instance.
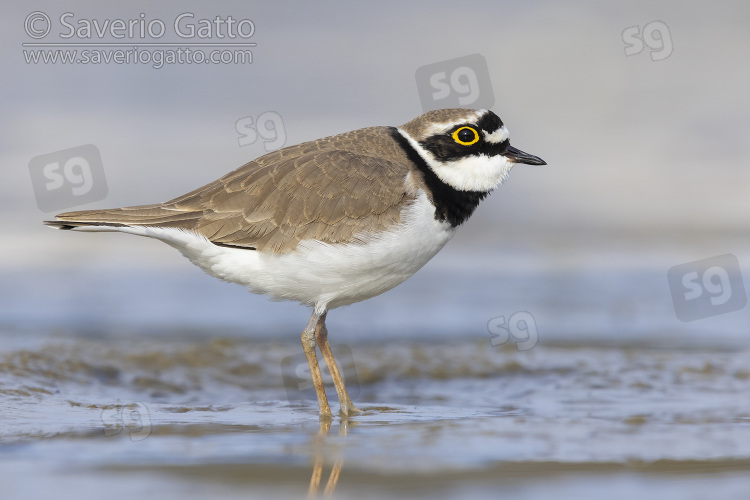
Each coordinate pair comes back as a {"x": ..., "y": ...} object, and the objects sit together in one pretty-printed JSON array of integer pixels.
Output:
[{"x": 467, "y": 149}]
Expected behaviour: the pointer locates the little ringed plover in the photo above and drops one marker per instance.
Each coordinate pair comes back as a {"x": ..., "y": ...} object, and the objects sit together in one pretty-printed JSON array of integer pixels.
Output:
[{"x": 333, "y": 221}]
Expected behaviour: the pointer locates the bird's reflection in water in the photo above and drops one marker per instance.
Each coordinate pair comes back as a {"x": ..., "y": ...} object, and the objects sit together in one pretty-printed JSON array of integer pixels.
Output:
[{"x": 326, "y": 448}]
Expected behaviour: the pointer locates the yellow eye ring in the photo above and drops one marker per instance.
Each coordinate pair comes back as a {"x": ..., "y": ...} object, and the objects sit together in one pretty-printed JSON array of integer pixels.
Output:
[{"x": 463, "y": 138}]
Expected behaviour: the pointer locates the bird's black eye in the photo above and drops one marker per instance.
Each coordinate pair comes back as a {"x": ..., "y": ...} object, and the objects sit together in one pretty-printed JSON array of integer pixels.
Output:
[{"x": 466, "y": 136}]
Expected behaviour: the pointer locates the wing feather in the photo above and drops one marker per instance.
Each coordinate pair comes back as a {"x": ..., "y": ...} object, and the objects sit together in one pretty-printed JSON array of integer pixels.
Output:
[{"x": 335, "y": 190}]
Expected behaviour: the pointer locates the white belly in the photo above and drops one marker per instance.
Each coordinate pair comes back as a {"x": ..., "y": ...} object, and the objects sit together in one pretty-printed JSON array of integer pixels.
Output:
[{"x": 319, "y": 274}]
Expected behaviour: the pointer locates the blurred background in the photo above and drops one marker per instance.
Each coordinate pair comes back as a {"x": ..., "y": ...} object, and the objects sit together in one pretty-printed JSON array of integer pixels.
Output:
[
  {"x": 640, "y": 110},
  {"x": 586, "y": 330}
]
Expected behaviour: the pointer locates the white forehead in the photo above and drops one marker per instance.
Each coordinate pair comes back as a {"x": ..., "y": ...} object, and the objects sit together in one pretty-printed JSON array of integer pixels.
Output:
[{"x": 498, "y": 136}]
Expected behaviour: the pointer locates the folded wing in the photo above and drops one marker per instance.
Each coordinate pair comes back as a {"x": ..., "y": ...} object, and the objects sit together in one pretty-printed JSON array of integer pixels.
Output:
[{"x": 315, "y": 190}]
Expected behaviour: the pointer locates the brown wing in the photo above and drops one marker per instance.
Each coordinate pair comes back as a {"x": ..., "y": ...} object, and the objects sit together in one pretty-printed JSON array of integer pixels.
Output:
[{"x": 318, "y": 190}]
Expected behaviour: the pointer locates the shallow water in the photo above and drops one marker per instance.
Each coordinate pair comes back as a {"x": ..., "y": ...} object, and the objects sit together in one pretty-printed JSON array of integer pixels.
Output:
[
  {"x": 465, "y": 419},
  {"x": 177, "y": 385}
]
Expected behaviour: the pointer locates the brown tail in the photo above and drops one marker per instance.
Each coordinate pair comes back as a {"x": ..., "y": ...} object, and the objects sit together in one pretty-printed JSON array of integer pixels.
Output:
[{"x": 143, "y": 215}]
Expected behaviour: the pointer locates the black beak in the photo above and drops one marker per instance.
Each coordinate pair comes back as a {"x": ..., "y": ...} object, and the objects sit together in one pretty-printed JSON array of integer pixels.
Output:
[{"x": 518, "y": 156}]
